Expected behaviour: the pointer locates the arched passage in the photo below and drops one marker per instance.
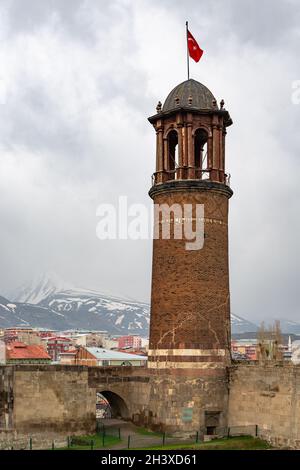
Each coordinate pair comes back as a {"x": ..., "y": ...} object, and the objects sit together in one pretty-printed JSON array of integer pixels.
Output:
[{"x": 112, "y": 404}]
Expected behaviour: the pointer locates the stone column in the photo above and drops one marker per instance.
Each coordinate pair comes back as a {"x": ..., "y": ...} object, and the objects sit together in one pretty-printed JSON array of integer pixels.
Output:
[
  {"x": 223, "y": 153},
  {"x": 166, "y": 158},
  {"x": 191, "y": 153},
  {"x": 210, "y": 154},
  {"x": 180, "y": 151},
  {"x": 159, "y": 153},
  {"x": 215, "y": 145}
]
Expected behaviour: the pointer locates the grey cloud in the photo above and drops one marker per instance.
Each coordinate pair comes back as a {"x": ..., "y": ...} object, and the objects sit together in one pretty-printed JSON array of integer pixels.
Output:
[{"x": 267, "y": 23}]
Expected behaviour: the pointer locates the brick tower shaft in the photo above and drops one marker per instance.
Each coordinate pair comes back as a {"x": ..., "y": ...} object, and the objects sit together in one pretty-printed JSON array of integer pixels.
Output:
[{"x": 190, "y": 302}]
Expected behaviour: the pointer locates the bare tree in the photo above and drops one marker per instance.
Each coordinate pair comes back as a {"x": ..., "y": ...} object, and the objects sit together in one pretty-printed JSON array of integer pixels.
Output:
[{"x": 269, "y": 342}]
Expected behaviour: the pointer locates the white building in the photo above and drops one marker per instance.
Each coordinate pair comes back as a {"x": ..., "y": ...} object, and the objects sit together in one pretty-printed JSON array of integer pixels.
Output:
[
  {"x": 296, "y": 352},
  {"x": 107, "y": 357},
  {"x": 110, "y": 343}
]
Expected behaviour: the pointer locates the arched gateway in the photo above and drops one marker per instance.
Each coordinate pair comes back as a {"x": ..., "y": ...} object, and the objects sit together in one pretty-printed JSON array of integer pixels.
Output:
[{"x": 111, "y": 405}]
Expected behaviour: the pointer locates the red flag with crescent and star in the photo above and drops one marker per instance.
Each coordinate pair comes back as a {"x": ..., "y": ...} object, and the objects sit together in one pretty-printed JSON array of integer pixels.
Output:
[{"x": 195, "y": 50}]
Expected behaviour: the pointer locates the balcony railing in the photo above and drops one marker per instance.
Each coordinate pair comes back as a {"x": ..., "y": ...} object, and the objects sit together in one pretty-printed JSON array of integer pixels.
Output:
[{"x": 190, "y": 173}]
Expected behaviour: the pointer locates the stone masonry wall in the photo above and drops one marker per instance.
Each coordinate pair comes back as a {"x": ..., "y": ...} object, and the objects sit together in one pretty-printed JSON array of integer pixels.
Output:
[
  {"x": 6, "y": 397},
  {"x": 178, "y": 402},
  {"x": 131, "y": 384},
  {"x": 52, "y": 402},
  {"x": 53, "y": 399},
  {"x": 269, "y": 396}
]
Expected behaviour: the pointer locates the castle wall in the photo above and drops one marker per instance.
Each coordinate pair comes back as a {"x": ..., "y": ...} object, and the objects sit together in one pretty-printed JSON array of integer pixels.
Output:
[
  {"x": 129, "y": 383},
  {"x": 57, "y": 401},
  {"x": 52, "y": 401},
  {"x": 53, "y": 398},
  {"x": 180, "y": 400},
  {"x": 269, "y": 396}
]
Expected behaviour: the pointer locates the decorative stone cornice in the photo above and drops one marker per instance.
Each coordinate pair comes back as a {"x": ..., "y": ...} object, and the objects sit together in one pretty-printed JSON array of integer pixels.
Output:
[{"x": 190, "y": 185}]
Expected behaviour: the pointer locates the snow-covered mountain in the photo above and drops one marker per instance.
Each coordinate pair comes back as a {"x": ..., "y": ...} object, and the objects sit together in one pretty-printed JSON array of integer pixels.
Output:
[
  {"x": 240, "y": 325},
  {"x": 48, "y": 302},
  {"x": 289, "y": 326},
  {"x": 39, "y": 288},
  {"x": 83, "y": 309},
  {"x": 93, "y": 310},
  {"x": 29, "y": 315}
]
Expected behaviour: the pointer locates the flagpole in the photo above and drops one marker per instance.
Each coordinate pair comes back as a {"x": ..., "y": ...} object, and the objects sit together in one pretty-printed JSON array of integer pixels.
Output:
[{"x": 187, "y": 51}]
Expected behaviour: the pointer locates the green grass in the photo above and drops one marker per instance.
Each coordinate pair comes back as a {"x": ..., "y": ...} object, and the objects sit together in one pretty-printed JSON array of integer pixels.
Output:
[
  {"x": 229, "y": 443},
  {"x": 147, "y": 432},
  {"x": 84, "y": 442}
]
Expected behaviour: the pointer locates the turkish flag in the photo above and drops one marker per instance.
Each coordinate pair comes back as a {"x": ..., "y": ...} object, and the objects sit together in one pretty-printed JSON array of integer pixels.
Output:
[{"x": 195, "y": 50}]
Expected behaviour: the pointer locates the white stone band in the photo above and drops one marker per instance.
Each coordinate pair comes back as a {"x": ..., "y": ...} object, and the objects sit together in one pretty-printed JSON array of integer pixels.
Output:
[
  {"x": 184, "y": 365},
  {"x": 186, "y": 352}
]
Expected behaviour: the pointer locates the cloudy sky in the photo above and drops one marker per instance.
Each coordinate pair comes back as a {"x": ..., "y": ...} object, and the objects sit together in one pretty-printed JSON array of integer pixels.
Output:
[{"x": 78, "y": 79}]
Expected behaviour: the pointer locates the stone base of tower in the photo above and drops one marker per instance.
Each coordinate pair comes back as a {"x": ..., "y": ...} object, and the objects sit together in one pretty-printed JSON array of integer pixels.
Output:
[{"x": 187, "y": 401}]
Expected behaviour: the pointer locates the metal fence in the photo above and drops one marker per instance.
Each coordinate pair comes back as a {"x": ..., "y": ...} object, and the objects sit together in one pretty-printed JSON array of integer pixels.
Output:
[
  {"x": 228, "y": 431},
  {"x": 232, "y": 431},
  {"x": 192, "y": 437},
  {"x": 140, "y": 441},
  {"x": 131, "y": 438}
]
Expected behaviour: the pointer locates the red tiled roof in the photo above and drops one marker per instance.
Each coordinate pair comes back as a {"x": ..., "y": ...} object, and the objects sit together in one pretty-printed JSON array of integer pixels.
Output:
[
  {"x": 70, "y": 351},
  {"x": 18, "y": 350}
]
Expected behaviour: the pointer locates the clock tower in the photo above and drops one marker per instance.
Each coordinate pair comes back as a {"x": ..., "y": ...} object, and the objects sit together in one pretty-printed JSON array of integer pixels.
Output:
[{"x": 190, "y": 301}]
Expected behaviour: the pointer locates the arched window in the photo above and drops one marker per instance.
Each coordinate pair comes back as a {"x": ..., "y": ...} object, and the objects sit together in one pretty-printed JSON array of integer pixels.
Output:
[
  {"x": 200, "y": 146},
  {"x": 172, "y": 153}
]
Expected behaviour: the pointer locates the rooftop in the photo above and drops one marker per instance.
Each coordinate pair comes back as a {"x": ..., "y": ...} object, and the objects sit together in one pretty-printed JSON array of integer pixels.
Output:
[
  {"x": 56, "y": 338},
  {"x": 108, "y": 354},
  {"x": 70, "y": 352},
  {"x": 18, "y": 350}
]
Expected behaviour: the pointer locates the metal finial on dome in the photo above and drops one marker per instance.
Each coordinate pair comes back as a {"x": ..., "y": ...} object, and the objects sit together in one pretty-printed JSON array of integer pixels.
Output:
[
  {"x": 158, "y": 107},
  {"x": 222, "y": 102}
]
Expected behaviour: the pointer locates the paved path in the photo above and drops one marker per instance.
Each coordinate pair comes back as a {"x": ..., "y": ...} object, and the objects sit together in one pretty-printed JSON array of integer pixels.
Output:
[{"x": 137, "y": 439}]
